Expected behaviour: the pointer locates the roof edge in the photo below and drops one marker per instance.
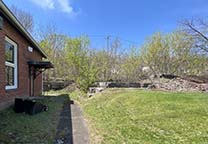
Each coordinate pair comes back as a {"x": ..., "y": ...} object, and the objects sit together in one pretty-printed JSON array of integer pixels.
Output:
[{"x": 19, "y": 26}]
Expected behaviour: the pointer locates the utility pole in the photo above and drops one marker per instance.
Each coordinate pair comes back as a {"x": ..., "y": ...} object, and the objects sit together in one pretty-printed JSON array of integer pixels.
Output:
[
  {"x": 108, "y": 73},
  {"x": 108, "y": 43}
]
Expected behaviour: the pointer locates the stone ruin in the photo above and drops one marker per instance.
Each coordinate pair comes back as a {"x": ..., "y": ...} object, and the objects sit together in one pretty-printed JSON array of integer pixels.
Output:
[
  {"x": 164, "y": 82},
  {"x": 189, "y": 83}
]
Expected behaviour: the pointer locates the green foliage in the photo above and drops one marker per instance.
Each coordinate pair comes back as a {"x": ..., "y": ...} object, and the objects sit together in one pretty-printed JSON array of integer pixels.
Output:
[
  {"x": 81, "y": 62},
  {"x": 131, "y": 66},
  {"x": 170, "y": 54},
  {"x": 53, "y": 45},
  {"x": 74, "y": 59}
]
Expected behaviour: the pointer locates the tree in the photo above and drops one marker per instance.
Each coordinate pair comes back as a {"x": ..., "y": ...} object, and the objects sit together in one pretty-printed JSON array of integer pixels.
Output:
[
  {"x": 198, "y": 29},
  {"x": 102, "y": 62},
  {"x": 53, "y": 44},
  {"x": 131, "y": 66},
  {"x": 169, "y": 54},
  {"x": 25, "y": 18},
  {"x": 82, "y": 62}
]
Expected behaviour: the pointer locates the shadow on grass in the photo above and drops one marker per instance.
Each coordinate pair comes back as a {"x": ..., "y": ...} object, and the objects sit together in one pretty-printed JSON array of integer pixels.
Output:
[
  {"x": 45, "y": 127},
  {"x": 64, "y": 132}
]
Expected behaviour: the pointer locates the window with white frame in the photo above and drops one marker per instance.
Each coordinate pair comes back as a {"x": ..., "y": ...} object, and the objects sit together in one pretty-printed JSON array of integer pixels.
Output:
[{"x": 11, "y": 63}]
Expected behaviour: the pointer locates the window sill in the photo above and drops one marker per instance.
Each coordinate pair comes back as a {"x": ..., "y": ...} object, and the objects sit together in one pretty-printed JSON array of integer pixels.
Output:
[{"x": 11, "y": 89}]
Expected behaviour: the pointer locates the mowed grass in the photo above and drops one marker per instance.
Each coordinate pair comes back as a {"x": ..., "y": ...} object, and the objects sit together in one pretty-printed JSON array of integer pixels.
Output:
[
  {"x": 130, "y": 116},
  {"x": 26, "y": 129}
]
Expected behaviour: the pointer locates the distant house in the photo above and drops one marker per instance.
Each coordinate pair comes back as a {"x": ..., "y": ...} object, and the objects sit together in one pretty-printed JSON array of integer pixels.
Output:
[{"x": 21, "y": 62}]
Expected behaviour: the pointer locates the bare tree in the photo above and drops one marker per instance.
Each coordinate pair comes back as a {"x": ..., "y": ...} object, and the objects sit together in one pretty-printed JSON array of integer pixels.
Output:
[
  {"x": 25, "y": 18},
  {"x": 198, "y": 29}
]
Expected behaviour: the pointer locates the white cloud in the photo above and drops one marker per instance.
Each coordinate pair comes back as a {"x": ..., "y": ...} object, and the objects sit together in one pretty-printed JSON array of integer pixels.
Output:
[
  {"x": 47, "y": 4},
  {"x": 61, "y": 5},
  {"x": 65, "y": 6}
]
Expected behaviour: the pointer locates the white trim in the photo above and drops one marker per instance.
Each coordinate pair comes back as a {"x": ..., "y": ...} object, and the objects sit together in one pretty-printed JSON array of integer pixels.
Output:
[
  {"x": 10, "y": 64},
  {"x": 13, "y": 65}
]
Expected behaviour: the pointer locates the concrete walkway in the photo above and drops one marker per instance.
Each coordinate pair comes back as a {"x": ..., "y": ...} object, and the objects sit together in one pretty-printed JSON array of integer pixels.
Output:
[
  {"x": 80, "y": 130},
  {"x": 72, "y": 128}
]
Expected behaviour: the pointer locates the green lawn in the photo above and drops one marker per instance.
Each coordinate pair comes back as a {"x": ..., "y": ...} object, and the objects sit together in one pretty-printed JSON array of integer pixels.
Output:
[
  {"x": 37, "y": 129},
  {"x": 120, "y": 116}
]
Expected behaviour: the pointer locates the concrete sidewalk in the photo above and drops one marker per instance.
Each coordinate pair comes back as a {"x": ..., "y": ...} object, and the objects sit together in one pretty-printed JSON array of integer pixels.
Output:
[{"x": 80, "y": 130}]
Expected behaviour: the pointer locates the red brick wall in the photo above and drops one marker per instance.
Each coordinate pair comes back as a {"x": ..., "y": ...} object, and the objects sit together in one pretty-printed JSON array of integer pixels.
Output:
[{"x": 23, "y": 56}]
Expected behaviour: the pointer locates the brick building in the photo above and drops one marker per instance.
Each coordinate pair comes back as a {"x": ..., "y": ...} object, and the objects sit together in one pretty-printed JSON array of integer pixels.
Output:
[{"x": 21, "y": 62}]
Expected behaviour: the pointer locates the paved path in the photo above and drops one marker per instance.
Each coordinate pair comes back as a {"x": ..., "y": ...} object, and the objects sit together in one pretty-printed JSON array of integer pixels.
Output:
[
  {"x": 80, "y": 130},
  {"x": 72, "y": 128}
]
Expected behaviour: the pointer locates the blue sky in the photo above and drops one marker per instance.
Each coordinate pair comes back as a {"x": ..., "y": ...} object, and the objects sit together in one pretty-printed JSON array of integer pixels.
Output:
[{"x": 132, "y": 20}]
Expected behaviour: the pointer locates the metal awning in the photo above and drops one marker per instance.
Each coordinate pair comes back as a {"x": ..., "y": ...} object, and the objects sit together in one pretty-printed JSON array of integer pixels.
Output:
[
  {"x": 35, "y": 69},
  {"x": 41, "y": 64}
]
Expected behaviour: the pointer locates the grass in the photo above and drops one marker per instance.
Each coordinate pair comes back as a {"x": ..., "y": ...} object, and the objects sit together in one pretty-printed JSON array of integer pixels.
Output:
[
  {"x": 118, "y": 116},
  {"x": 40, "y": 128},
  {"x": 130, "y": 116}
]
